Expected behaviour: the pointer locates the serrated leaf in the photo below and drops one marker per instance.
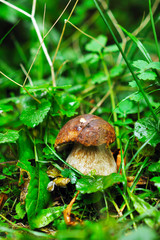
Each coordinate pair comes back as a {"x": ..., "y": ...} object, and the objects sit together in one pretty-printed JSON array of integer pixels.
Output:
[
  {"x": 133, "y": 84},
  {"x": 97, "y": 183},
  {"x": 140, "y": 64},
  {"x": 136, "y": 96},
  {"x": 35, "y": 113},
  {"x": 69, "y": 104},
  {"x": 46, "y": 216},
  {"x": 9, "y": 136},
  {"x": 94, "y": 46},
  {"x": 99, "y": 78},
  {"x": 145, "y": 129},
  {"x": 148, "y": 75},
  {"x": 154, "y": 65}
]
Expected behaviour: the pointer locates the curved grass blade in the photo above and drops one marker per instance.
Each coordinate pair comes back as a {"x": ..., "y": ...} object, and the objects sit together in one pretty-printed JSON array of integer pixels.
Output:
[{"x": 139, "y": 44}]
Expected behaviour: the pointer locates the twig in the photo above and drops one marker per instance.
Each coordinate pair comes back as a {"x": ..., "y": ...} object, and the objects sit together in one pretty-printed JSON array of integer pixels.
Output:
[
  {"x": 31, "y": 16},
  {"x": 25, "y": 72},
  {"x": 100, "y": 102},
  {"x": 21, "y": 87},
  {"x": 63, "y": 30}
]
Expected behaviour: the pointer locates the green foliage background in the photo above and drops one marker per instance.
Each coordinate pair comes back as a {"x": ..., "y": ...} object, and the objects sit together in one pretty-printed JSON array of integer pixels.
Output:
[{"x": 91, "y": 77}]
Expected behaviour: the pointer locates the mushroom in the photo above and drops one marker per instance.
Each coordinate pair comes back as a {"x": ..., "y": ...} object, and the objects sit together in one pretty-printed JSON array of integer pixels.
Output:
[{"x": 91, "y": 136}]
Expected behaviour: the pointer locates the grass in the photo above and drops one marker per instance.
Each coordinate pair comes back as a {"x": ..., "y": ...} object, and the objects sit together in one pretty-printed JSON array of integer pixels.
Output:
[{"x": 79, "y": 64}]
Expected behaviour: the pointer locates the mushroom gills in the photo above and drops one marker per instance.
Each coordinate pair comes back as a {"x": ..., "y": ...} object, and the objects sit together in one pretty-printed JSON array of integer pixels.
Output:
[{"x": 96, "y": 159}]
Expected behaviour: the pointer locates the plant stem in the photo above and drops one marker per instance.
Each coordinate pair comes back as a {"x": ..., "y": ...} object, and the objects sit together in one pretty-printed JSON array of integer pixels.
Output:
[
  {"x": 115, "y": 205},
  {"x": 127, "y": 62},
  {"x": 123, "y": 167},
  {"x": 129, "y": 209},
  {"x": 31, "y": 16},
  {"x": 106, "y": 204},
  {"x": 112, "y": 99},
  {"x": 154, "y": 29}
]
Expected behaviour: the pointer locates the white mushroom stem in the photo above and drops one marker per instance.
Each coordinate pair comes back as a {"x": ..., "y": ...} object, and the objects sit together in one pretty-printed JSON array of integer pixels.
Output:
[{"x": 96, "y": 159}]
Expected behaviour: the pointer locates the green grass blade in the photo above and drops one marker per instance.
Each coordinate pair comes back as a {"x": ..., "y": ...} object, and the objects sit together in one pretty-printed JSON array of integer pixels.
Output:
[
  {"x": 139, "y": 44},
  {"x": 154, "y": 30},
  {"x": 127, "y": 62},
  {"x": 139, "y": 150},
  {"x": 1, "y": 40},
  {"x": 68, "y": 165}
]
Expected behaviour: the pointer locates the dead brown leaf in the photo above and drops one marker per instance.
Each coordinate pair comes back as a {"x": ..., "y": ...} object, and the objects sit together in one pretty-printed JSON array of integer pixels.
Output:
[
  {"x": 70, "y": 218},
  {"x": 3, "y": 199}
]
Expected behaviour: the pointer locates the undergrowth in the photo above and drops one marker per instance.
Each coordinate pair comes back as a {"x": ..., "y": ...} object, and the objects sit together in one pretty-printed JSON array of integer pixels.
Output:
[{"x": 60, "y": 61}]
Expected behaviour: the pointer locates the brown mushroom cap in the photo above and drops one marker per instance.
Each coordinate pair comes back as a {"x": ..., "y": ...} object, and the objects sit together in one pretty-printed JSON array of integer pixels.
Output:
[{"x": 88, "y": 130}]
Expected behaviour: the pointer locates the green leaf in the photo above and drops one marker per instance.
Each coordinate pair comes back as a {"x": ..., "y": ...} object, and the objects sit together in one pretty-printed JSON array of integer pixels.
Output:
[
  {"x": 68, "y": 173},
  {"x": 69, "y": 103},
  {"x": 9, "y": 136},
  {"x": 116, "y": 71},
  {"x": 90, "y": 58},
  {"x": 6, "y": 108},
  {"x": 136, "y": 96},
  {"x": 35, "y": 113},
  {"x": 126, "y": 122},
  {"x": 126, "y": 107},
  {"x": 145, "y": 129},
  {"x": 148, "y": 75},
  {"x": 154, "y": 65},
  {"x": 25, "y": 147},
  {"x": 97, "y": 183},
  {"x": 156, "y": 181},
  {"x": 111, "y": 49},
  {"x": 99, "y": 78},
  {"x": 154, "y": 167},
  {"x": 144, "y": 208},
  {"x": 46, "y": 216},
  {"x": 141, "y": 64},
  {"x": 20, "y": 210},
  {"x": 94, "y": 46},
  {"x": 37, "y": 197}
]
